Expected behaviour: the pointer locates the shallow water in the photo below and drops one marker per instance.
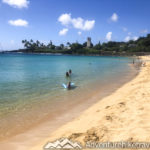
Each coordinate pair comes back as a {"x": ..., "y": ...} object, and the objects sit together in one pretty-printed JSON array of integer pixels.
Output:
[{"x": 31, "y": 85}]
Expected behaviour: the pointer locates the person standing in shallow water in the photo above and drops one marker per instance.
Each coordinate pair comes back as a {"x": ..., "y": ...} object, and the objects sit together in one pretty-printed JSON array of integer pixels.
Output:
[
  {"x": 69, "y": 85},
  {"x": 70, "y": 71},
  {"x": 67, "y": 74},
  {"x": 133, "y": 61}
]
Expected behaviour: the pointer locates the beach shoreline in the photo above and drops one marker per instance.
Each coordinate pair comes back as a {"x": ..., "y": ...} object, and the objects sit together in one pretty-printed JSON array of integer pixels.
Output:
[
  {"x": 40, "y": 129},
  {"x": 121, "y": 116}
]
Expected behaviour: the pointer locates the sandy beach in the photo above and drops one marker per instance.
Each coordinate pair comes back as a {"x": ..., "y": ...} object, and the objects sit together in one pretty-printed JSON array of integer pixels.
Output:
[
  {"x": 122, "y": 116},
  {"x": 74, "y": 74}
]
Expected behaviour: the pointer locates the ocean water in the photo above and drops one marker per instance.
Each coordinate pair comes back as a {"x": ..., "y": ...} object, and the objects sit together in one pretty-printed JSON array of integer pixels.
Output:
[{"x": 31, "y": 85}]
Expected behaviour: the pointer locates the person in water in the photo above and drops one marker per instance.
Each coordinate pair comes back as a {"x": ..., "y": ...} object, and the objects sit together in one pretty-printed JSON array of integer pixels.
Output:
[
  {"x": 70, "y": 71},
  {"x": 69, "y": 85},
  {"x": 67, "y": 74},
  {"x": 133, "y": 61}
]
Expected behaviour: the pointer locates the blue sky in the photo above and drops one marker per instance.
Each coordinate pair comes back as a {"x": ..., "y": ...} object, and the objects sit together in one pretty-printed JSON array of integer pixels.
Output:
[{"x": 72, "y": 20}]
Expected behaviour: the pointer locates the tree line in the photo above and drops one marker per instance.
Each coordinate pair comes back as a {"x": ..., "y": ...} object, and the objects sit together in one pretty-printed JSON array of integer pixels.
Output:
[{"x": 142, "y": 44}]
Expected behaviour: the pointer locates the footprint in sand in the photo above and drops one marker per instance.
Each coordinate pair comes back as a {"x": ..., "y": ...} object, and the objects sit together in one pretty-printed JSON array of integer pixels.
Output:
[
  {"x": 109, "y": 118},
  {"x": 107, "y": 107}
]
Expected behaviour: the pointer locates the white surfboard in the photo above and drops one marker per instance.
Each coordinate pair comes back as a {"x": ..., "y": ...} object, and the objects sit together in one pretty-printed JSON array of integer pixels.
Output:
[{"x": 65, "y": 86}]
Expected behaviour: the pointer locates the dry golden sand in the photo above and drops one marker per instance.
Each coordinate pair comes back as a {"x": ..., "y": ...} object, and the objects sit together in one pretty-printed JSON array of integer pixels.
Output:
[{"x": 122, "y": 116}]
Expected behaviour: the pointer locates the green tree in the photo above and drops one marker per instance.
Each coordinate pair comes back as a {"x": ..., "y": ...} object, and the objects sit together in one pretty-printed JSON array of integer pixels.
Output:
[
  {"x": 98, "y": 46},
  {"x": 62, "y": 46}
]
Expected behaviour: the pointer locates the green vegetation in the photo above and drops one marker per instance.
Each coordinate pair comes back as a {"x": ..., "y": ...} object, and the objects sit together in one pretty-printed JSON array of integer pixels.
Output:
[{"x": 140, "y": 45}]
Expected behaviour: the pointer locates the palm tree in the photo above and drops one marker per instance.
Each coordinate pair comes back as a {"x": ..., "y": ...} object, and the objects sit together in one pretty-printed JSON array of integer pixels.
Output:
[
  {"x": 23, "y": 41},
  {"x": 37, "y": 43},
  {"x": 50, "y": 44},
  {"x": 62, "y": 46},
  {"x": 31, "y": 41},
  {"x": 68, "y": 43}
]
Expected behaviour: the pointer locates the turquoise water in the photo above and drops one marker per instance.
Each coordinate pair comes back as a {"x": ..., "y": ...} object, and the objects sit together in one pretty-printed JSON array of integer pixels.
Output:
[{"x": 31, "y": 85}]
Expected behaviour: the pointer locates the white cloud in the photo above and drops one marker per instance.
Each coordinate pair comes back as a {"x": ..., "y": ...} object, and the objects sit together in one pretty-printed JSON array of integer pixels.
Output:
[
  {"x": 135, "y": 38},
  {"x": 17, "y": 3},
  {"x": 65, "y": 19},
  {"x": 18, "y": 22},
  {"x": 79, "y": 33},
  {"x": 78, "y": 23},
  {"x": 88, "y": 25},
  {"x": 109, "y": 36},
  {"x": 127, "y": 38},
  {"x": 63, "y": 31},
  {"x": 114, "y": 17},
  {"x": 129, "y": 33},
  {"x": 124, "y": 29},
  {"x": 12, "y": 42},
  {"x": 144, "y": 31}
]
